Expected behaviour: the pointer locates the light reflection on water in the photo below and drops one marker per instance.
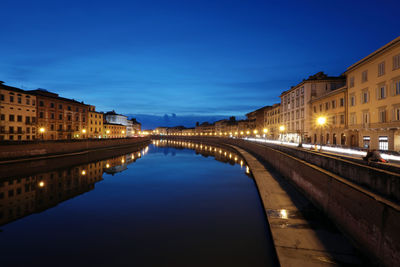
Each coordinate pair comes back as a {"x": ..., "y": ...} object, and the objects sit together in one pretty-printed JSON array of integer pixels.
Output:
[{"x": 168, "y": 204}]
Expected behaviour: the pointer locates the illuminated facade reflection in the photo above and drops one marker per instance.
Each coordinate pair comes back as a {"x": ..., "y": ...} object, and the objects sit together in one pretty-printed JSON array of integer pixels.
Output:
[
  {"x": 219, "y": 153},
  {"x": 22, "y": 196}
]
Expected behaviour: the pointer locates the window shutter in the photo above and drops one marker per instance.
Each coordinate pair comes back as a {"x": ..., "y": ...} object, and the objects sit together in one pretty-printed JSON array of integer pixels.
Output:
[
  {"x": 393, "y": 114},
  {"x": 392, "y": 89},
  {"x": 377, "y": 93}
]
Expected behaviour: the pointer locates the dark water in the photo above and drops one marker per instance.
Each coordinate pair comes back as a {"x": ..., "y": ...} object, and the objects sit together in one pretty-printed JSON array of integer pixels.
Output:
[{"x": 170, "y": 204}]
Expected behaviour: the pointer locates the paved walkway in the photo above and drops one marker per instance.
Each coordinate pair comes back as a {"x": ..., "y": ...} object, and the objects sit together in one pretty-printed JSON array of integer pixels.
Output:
[{"x": 302, "y": 235}]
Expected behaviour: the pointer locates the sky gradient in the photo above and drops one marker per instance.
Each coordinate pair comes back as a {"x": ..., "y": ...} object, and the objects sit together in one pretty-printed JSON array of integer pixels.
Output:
[{"x": 189, "y": 58}]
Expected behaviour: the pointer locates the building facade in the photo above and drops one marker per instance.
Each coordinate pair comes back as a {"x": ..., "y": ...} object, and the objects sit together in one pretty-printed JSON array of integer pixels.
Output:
[
  {"x": 113, "y": 130},
  {"x": 374, "y": 99},
  {"x": 272, "y": 121},
  {"x": 95, "y": 128},
  {"x": 297, "y": 116},
  {"x": 331, "y": 108},
  {"x": 17, "y": 114},
  {"x": 60, "y": 118}
]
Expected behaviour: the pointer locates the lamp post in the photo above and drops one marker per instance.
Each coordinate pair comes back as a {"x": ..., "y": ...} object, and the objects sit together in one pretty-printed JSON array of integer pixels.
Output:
[
  {"x": 282, "y": 130},
  {"x": 321, "y": 121},
  {"x": 42, "y": 130},
  {"x": 83, "y": 133},
  {"x": 265, "y": 130}
]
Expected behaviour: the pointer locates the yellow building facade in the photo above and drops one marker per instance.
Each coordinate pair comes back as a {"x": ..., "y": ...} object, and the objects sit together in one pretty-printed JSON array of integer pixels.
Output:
[
  {"x": 95, "y": 127},
  {"x": 272, "y": 121},
  {"x": 331, "y": 108},
  {"x": 17, "y": 114},
  {"x": 374, "y": 99},
  {"x": 111, "y": 130}
]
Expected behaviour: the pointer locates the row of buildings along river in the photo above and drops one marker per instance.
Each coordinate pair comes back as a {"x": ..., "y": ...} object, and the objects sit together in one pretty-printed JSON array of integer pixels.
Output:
[
  {"x": 360, "y": 108},
  {"x": 40, "y": 114}
]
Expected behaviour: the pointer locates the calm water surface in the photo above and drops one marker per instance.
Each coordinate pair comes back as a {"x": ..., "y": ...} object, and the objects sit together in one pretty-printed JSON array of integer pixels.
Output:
[{"x": 171, "y": 204}]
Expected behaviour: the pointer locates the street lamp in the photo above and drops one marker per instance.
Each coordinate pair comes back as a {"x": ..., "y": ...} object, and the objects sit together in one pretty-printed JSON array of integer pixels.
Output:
[
  {"x": 282, "y": 129},
  {"x": 321, "y": 121},
  {"x": 255, "y": 131},
  {"x": 42, "y": 130}
]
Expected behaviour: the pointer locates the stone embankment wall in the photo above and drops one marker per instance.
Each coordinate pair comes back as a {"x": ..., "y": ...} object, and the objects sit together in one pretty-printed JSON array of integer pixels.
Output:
[
  {"x": 46, "y": 148},
  {"x": 341, "y": 190}
]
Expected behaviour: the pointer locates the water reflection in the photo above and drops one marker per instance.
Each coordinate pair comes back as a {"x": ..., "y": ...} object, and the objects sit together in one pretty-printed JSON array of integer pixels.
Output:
[
  {"x": 21, "y": 196},
  {"x": 220, "y": 154}
]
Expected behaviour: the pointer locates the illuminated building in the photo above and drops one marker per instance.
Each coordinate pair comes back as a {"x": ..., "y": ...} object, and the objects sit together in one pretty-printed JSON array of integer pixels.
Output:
[{"x": 17, "y": 114}]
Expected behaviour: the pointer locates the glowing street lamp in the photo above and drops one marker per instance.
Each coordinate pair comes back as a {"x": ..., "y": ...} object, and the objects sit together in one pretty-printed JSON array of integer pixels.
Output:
[
  {"x": 255, "y": 131},
  {"x": 42, "y": 130},
  {"x": 265, "y": 130},
  {"x": 321, "y": 121},
  {"x": 282, "y": 128},
  {"x": 83, "y": 131}
]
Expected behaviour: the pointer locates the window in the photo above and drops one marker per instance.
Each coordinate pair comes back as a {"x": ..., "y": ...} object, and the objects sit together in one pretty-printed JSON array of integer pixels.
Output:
[
  {"x": 366, "y": 141},
  {"x": 327, "y": 106},
  {"x": 27, "y": 101},
  {"x": 364, "y": 76},
  {"x": 381, "y": 69},
  {"x": 353, "y": 119},
  {"x": 11, "y": 129},
  {"x": 397, "y": 88},
  {"x": 60, "y": 116},
  {"x": 364, "y": 97},
  {"x": 59, "y": 106},
  {"x": 41, "y": 115},
  {"x": 383, "y": 143},
  {"x": 352, "y": 100},
  {"x": 382, "y": 115},
  {"x": 52, "y": 105},
  {"x": 342, "y": 102},
  {"x": 333, "y": 103},
  {"x": 333, "y": 120},
  {"x": 19, "y": 100},
  {"x": 365, "y": 118},
  {"x": 11, "y": 98},
  {"x": 302, "y": 100},
  {"x": 302, "y": 113},
  {"x": 69, "y": 117},
  {"x": 19, "y": 118},
  {"x": 1, "y": 97},
  {"x": 397, "y": 114},
  {"x": 28, "y": 120},
  {"x": 52, "y": 116},
  {"x": 41, "y": 104},
  {"x": 69, "y": 108},
  {"x": 2, "y": 117},
  {"x": 60, "y": 127},
  {"x": 351, "y": 82},
  {"x": 382, "y": 92},
  {"x": 52, "y": 127},
  {"x": 396, "y": 62},
  {"x": 302, "y": 89},
  {"x": 11, "y": 117},
  {"x": 320, "y": 107}
]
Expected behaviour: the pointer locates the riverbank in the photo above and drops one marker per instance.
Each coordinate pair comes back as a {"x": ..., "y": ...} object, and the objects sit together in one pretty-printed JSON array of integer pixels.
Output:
[{"x": 18, "y": 152}]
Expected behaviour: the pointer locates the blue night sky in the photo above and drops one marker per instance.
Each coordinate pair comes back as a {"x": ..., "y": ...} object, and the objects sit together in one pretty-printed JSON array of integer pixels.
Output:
[{"x": 195, "y": 59}]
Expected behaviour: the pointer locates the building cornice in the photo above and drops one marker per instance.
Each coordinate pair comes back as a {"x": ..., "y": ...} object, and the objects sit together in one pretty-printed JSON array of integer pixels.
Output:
[
  {"x": 374, "y": 54},
  {"x": 331, "y": 93}
]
